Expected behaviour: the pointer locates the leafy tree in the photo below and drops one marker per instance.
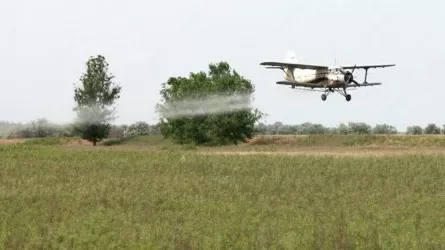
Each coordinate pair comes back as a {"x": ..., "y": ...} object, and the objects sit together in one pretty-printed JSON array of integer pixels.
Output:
[
  {"x": 332, "y": 130},
  {"x": 310, "y": 128},
  {"x": 432, "y": 129},
  {"x": 359, "y": 128},
  {"x": 95, "y": 100},
  {"x": 384, "y": 129},
  {"x": 414, "y": 130},
  {"x": 208, "y": 127},
  {"x": 261, "y": 128},
  {"x": 277, "y": 128},
  {"x": 342, "y": 129},
  {"x": 43, "y": 128},
  {"x": 138, "y": 128}
]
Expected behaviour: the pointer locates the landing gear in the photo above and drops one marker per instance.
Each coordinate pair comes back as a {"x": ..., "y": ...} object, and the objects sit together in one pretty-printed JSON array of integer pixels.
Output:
[
  {"x": 346, "y": 95},
  {"x": 341, "y": 92},
  {"x": 326, "y": 93}
]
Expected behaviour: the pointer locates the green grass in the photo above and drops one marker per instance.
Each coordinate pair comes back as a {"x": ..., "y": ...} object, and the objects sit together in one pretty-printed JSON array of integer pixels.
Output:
[{"x": 53, "y": 197}]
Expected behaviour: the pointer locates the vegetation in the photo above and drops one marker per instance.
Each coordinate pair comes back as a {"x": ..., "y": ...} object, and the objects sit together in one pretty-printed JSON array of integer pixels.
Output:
[
  {"x": 94, "y": 101},
  {"x": 213, "y": 128},
  {"x": 158, "y": 186},
  {"x": 73, "y": 198},
  {"x": 147, "y": 191},
  {"x": 334, "y": 140},
  {"x": 42, "y": 128},
  {"x": 96, "y": 97}
]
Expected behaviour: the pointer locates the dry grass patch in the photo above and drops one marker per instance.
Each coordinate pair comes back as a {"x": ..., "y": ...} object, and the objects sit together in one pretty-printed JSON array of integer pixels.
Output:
[{"x": 10, "y": 141}]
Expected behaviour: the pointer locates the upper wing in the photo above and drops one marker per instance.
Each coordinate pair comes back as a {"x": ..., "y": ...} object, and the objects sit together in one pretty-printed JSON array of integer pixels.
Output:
[
  {"x": 293, "y": 65},
  {"x": 368, "y": 66}
]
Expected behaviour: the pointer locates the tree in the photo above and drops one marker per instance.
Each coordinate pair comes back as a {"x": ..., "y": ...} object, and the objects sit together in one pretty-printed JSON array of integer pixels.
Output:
[
  {"x": 308, "y": 128},
  {"x": 342, "y": 129},
  {"x": 261, "y": 128},
  {"x": 359, "y": 128},
  {"x": 414, "y": 130},
  {"x": 138, "y": 128},
  {"x": 95, "y": 100},
  {"x": 384, "y": 129},
  {"x": 208, "y": 108},
  {"x": 431, "y": 129}
]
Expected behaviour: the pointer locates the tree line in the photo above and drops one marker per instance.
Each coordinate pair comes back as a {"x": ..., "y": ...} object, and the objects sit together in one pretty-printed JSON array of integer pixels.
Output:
[
  {"x": 96, "y": 97},
  {"x": 42, "y": 128},
  {"x": 278, "y": 128}
]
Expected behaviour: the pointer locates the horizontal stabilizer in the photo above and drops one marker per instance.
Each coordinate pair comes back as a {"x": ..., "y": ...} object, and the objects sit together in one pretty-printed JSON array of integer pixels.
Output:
[
  {"x": 370, "y": 84},
  {"x": 273, "y": 67}
]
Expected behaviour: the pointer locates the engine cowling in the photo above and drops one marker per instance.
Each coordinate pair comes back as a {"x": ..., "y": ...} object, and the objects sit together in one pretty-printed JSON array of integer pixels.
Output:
[{"x": 348, "y": 78}]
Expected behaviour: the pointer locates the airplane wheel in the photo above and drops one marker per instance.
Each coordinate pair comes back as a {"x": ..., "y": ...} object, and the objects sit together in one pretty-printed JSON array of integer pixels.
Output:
[
  {"x": 323, "y": 97},
  {"x": 348, "y": 98}
]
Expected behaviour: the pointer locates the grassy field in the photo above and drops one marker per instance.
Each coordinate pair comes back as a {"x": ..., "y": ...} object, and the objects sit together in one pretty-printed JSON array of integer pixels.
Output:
[{"x": 148, "y": 193}]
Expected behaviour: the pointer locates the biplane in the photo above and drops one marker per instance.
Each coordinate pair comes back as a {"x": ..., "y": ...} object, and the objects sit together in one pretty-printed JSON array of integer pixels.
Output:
[{"x": 327, "y": 79}]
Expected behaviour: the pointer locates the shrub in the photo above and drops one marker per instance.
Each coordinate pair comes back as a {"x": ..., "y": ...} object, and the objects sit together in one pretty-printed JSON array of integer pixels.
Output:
[
  {"x": 432, "y": 129},
  {"x": 414, "y": 130}
]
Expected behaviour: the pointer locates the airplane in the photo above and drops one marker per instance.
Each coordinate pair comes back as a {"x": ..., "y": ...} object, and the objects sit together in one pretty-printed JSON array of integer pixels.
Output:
[{"x": 327, "y": 78}]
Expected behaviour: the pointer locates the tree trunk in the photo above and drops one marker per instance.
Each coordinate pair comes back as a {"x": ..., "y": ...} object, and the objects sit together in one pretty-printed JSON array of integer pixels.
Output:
[{"x": 94, "y": 142}]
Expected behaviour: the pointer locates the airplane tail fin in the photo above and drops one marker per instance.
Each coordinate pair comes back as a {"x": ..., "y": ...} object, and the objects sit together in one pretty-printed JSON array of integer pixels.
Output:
[{"x": 290, "y": 58}]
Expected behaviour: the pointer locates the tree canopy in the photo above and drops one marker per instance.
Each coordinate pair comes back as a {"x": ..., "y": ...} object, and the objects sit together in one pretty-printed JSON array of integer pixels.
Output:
[
  {"x": 95, "y": 100},
  {"x": 212, "y": 120}
]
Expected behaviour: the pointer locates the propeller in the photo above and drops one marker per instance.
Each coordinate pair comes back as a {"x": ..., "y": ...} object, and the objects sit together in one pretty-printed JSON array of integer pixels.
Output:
[{"x": 349, "y": 77}]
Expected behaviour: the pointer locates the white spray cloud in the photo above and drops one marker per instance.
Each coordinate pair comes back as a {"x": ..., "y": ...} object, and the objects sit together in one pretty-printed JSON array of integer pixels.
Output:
[
  {"x": 94, "y": 114},
  {"x": 212, "y": 104}
]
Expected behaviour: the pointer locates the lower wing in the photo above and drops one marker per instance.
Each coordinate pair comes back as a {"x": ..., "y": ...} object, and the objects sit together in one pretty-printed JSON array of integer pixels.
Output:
[
  {"x": 299, "y": 84},
  {"x": 366, "y": 84},
  {"x": 314, "y": 85}
]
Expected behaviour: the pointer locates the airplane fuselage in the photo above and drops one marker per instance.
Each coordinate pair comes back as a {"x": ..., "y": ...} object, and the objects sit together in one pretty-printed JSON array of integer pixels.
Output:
[{"x": 331, "y": 77}]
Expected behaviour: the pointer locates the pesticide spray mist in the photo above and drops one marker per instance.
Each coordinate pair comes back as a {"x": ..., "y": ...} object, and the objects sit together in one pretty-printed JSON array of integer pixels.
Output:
[
  {"x": 212, "y": 104},
  {"x": 187, "y": 107}
]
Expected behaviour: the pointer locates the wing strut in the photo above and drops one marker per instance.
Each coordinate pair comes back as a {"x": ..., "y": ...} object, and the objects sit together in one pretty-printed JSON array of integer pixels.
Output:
[{"x": 366, "y": 75}]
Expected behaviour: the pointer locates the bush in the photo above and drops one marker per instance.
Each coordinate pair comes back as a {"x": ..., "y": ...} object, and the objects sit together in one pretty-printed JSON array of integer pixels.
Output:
[
  {"x": 311, "y": 129},
  {"x": 359, "y": 128},
  {"x": 41, "y": 128},
  {"x": 384, "y": 129},
  {"x": 208, "y": 108},
  {"x": 138, "y": 128},
  {"x": 414, "y": 130},
  {"x": 342, "y": 129},
  {"x": 432, "y": 129}
]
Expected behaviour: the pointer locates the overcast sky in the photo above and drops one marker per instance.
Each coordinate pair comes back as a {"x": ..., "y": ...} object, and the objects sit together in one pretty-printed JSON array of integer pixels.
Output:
[{"x": 44, "y": 46}]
